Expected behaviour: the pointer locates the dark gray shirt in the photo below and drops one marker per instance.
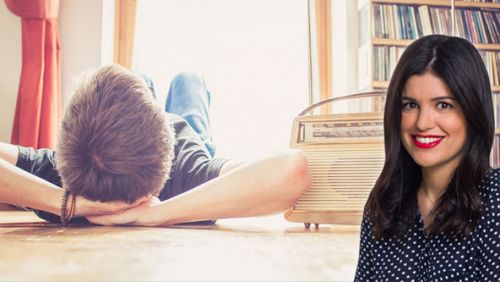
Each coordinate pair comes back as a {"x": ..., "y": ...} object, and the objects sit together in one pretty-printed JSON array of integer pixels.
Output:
[{"x": 192, "y": 164}]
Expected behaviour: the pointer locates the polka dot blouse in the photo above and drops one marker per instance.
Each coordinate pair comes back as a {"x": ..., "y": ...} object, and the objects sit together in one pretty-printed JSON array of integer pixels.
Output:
[{"x": 437, "y": 258}]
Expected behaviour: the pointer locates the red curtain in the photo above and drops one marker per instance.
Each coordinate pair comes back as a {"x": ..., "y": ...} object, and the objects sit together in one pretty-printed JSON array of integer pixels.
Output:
[{"x": 38, "y": 108}]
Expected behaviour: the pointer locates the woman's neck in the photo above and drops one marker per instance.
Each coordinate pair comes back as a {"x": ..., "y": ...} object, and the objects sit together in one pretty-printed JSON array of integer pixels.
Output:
[
  {"x": 434, "y": 184},
  {"x": 436, "y": 179}
]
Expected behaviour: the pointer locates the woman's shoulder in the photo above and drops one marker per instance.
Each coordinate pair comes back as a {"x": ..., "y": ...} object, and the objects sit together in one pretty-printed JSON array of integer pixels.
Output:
[
  {"x": 489, "y": 191},
  {"x": 491, "y": 181}
]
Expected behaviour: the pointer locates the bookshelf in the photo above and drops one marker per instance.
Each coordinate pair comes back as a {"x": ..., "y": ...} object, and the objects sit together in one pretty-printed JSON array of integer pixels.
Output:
[{"x": 387, "y": 27}]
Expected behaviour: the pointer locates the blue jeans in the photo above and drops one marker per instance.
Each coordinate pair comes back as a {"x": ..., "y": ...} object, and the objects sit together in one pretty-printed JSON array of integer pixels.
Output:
[{"x": 189, "y": 98}]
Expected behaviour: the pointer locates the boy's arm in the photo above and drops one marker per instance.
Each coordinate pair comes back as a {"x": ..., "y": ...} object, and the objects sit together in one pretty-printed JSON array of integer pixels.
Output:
[
  {"x": 18, "y": 187},
  {"x": 268, "y": 185},
  {"x": 230, "y": 165},
  {"x": 9, "y": 153}
]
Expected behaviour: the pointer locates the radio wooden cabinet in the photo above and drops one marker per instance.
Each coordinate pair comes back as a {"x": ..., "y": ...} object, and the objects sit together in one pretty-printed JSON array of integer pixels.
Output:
[{"x": 345, "y": 153}]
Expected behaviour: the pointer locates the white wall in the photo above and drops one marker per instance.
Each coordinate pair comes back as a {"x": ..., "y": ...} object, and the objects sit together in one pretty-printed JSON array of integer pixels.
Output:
[
  {"x": 86, "y": 29},
  {"x": 252, "y": 53},
  {"x": 10, "y": 68}
]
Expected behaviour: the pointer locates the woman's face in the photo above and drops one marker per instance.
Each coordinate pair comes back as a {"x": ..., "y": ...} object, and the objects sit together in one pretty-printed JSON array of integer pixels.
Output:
[{"x": 433, "y": 126}]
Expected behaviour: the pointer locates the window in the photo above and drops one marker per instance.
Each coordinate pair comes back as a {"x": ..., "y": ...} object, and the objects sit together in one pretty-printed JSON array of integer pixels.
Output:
[{"x": 252, "y": 54}]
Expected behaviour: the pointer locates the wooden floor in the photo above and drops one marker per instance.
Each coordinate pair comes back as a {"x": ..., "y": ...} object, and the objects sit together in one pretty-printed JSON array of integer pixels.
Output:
[{"x": 253, "y": 249}]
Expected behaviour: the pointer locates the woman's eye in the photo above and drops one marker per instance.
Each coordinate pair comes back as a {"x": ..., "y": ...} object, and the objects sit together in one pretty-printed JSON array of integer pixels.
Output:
[
  {"x": 444, "y": 105},
  {"x": 409, "y": 105}
]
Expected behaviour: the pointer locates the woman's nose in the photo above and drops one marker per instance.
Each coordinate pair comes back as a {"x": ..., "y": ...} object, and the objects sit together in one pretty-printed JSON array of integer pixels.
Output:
[{"x": 425, "y": 120}]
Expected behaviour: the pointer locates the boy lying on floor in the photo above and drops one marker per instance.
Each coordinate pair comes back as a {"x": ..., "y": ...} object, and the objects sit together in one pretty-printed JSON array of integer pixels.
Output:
[{"x": 122, "y": 160}]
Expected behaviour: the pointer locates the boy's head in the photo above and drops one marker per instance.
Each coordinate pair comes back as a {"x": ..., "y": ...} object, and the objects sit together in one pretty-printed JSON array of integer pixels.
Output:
[{"x": 115, "y": 143}]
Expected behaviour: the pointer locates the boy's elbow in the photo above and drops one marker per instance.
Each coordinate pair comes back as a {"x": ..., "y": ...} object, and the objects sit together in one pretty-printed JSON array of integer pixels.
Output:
[
  {"x": 300, "y": 173},
  {"x": 297, "y": 178}
]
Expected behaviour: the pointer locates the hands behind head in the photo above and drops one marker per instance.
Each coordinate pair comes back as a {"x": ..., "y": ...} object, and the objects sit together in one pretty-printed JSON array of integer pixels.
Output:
[
  {"x": 85, "y": 207},
  {"x": 139, "y": 213}
]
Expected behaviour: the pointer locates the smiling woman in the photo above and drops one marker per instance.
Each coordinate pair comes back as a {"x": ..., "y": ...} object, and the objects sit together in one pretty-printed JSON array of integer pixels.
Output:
[
  {"x": 433, "y": 131},
  {"x": 433, "y": 213},
  {"x": 433, "y": 125}
]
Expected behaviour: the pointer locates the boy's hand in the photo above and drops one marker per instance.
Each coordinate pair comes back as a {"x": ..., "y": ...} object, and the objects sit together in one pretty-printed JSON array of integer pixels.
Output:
[
  {"x": 85, "y": 207},
  {"x": 139, "y": 215}
]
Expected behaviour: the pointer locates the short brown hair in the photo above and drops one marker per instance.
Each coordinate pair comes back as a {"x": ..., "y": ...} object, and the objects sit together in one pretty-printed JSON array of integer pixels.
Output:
[{"x": 115, "y": 142}]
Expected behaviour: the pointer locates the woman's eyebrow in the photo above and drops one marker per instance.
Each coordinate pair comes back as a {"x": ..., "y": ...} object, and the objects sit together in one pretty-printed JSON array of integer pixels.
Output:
[
  {"x": 444, "y": 98},
  {"x": 433, "y": 99},
  {"x": 409, "y": 98}
]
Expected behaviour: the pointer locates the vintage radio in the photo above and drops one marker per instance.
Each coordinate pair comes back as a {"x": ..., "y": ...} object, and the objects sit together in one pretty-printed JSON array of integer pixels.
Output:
[{"x": 345, "y": 153}]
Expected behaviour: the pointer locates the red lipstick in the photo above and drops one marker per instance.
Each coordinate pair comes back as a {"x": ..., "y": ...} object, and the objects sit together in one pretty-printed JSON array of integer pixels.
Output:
[{"x": 426, "y": 141}]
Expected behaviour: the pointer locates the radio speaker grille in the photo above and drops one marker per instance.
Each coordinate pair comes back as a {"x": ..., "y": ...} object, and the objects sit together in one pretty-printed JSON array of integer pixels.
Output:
[{"x": 341, "y": 179}]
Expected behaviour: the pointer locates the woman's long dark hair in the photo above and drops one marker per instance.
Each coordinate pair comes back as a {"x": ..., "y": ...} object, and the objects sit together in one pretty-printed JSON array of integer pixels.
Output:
[{"x": 392, "y": 204}]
